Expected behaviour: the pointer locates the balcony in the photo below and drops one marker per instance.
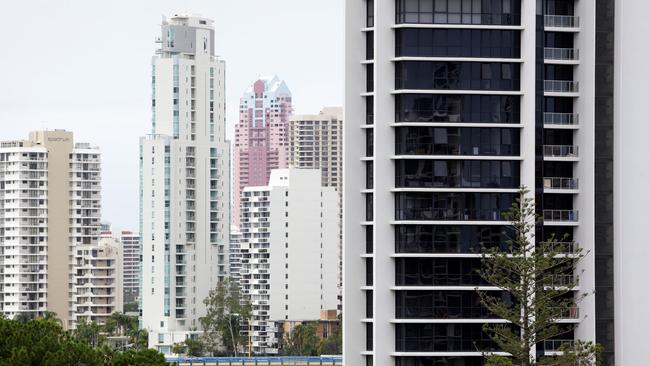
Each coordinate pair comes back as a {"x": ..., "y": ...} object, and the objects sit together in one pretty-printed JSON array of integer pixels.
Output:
[
  {"x": 570, "y": 313},
  {"x": 554, "y": 345},
  {"x": 561, "y": 184},
  {"x": 567, "y": 247},
  {"x": 560, "y": 151},
  {"x": 561, "y": 21},
  {"x": 561, "y": 216},
  {"x": 560, "y": 86},
  {"x": 561, "y": 119},
  {"x": 561, "y": 54}
]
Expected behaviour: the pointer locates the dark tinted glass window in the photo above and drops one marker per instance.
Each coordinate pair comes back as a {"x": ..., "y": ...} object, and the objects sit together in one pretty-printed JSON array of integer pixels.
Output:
[
  {"x": 559, "y": 7},
  {"x": 370, "y": 45},
  {"x": 505, "y": 12},
  {"x": 558, "y": 39},
  {"x": 441, "y": 338},
  {"x": 453, "y": 75},
  {"x": 431, "y": 206},
  {"x": 457, "y": 108},
  {"x": 369, "y": 142},
  {"x": 450, "y": 238},
  {"x": 438, "y": 272},
  {"x": 458, "y": 43},
  {"x": 558, "y": 72},
  {"x": 370, "y": 117},
  {"x": 428, "y": 173},
  {"x": 558, "y": 105},
  {"x": 413, "y": 140},
  {"x": 429, "y": 304},
  {"x": 439, "y": 361},
  {"x": 370, "y": 13}
]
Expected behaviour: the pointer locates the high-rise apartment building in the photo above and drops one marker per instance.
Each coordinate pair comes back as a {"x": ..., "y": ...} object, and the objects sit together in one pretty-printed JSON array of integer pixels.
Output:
[
  {"x": 316, "y": 142},
  {"x": 289, "y": 252},
  {"x": 235, "y": 255},
  {"x": 260, "y": 135},
  {"x": 451, "y": 106},
  {"x": 184, "y": 183},
  {"x": 98, "y": 281},
  {"x": 130, "y": 244},
  {"x": 50, "y": 207}
]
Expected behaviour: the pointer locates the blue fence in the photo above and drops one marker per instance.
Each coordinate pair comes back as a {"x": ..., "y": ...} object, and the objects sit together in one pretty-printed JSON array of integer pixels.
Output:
[{"x": 261, "y": 361}]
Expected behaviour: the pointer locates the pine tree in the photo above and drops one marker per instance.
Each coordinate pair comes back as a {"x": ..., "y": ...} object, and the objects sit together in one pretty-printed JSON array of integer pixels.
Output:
[{"x": 541, "y": 278}]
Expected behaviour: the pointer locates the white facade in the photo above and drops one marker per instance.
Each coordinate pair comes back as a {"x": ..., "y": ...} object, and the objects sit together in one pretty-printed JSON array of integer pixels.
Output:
[
  {"x": 316, "y": 142},
  {"x": 631, "y": 174},
  {"x": 373, "y": 211},
  {"x": 289, "y": 252},
  {"x": 98, "y": 281},
  {"x": 50, "y": 207},
  {"x": 235, "y": 255},
  {"x": 130, "y": 265},
  {"x": 184, "y": 183}
]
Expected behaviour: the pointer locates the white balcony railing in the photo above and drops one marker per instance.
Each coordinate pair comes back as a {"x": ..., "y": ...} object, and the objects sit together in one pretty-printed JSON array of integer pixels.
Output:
[
  {"x": 561, "y": 151},
  {"x": 561, "y": 21},
  {"x": 560, "y": 86},
  {"x": 565, "y": 54},
  {"x": 561, "y": 216},
  {"x": 564, "y": 119},
  {"x": 561, "y": 183}
]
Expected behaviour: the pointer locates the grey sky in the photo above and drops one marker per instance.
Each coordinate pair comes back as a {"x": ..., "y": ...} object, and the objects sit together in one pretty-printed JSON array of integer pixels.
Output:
[{"x": 84, "y": 65}]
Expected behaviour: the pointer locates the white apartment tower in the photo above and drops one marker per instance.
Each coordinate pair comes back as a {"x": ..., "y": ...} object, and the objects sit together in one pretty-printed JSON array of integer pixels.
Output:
[
  {"x": 98, "y": 281},
  {"x": 289, "y": 252},
  {"x": 316, "y": 142},
  {"x": 184, "y": 183},
  {"x": 50, "y": 207},
  {"x": 451, "y": 105},
  {"x": 130, "y": 265},
  {"x": 235, "y": 255}
]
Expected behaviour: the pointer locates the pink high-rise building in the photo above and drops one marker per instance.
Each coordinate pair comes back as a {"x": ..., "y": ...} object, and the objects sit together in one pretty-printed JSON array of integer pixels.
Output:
[{"x": 261, "y": 135}]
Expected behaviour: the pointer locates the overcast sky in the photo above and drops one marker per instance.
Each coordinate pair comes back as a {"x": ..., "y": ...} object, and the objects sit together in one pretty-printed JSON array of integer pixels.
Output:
[{"x": 84, "y": 65}]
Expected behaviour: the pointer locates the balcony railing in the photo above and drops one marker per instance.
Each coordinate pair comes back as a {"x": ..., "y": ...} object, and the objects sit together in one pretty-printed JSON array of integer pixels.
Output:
[
  {"x": 554, "y": 345},
  {"x": 565, "y": 119},
  {"x": 566, "y": 313},
  {"x": 561, "y": 183},
  {"x": 561, "y": 151},
  {"x": 560, "y": 86},
  {"x": 560, "y": 280},
  {"x": 561, "y": 53},
  {"x": 561, "y": 216},
  {"x": 568, "y": 247},
  {"x": 561, "y": 21}
]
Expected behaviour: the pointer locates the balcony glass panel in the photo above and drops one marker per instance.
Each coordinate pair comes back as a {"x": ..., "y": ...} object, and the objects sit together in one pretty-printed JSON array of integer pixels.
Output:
[
  {"x": 491, "y": 12},
  {"x": 441, "y": 338},
  {"x": 466, "y": 141},
  {"x": 450, "y": 238},
  {"x": 427, "y": 304},
  {"x": 453, "y": 75},
  {"x": 437, "y": 206},
  {"x": 457, "y": 108},
  {"x": 456, "y": 174},
  {"x": 457, "y": 43},
  {"x": 438, "y": 272}
]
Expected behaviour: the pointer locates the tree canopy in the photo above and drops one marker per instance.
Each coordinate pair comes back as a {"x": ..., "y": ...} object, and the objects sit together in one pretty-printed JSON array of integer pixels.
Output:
[{"x": 44, "y": 342}]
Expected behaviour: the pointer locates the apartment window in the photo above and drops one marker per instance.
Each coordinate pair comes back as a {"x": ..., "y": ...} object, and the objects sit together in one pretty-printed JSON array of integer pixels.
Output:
[
  {"x": 370, "y": 13},
  {"x": 489, "y": 12}
]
